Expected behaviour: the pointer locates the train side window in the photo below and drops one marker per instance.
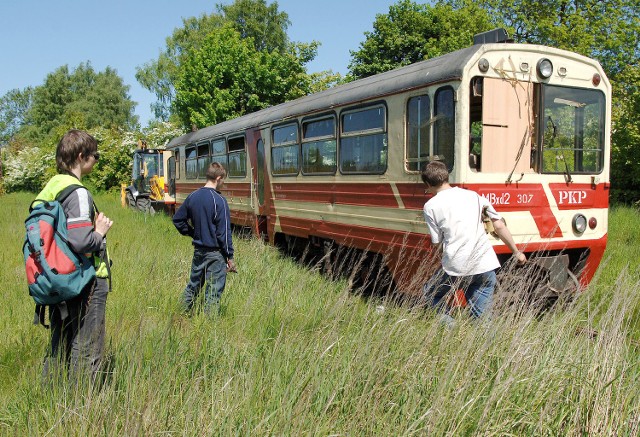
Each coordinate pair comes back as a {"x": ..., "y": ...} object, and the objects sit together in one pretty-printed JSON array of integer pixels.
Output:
[
  {"x": 191, "y": 162},
  {"x": 319, "y": 146},
  {"x": 203, "y": 159},
  {"x": 363, "y": 141},
  {"x": 418, "y": 132},
  {"x": 219, "y": 152},
  {"x": 444, "y": 125},
  {"x": 285, "y": 150},
  {"x": 237, "y": 157}
]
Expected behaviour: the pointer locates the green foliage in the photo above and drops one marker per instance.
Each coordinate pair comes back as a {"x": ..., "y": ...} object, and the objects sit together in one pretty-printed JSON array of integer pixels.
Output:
[
  {"x": 114, "y": 167},
  {"x": 253, "y": 20},
  {"x": 27, "y": 168},
  {"x": 116, "y": 149},
  {"x": 226, "y": 77},
  {"x": 33, "y": 120},
  {"x": 82, "y": 99},
  {"x": 264, "y": 24},
  {"x": 413, "y": 32},
  {"x": 13, "y": 108},
  {"x": 296, "y": 354},
  {"x": 608, "y": 31},
  {"x": 625, "y": 137}
]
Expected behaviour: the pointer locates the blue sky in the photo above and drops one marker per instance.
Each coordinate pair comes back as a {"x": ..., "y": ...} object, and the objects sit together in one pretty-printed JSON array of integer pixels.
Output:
[{"x": 38, "y": 36}]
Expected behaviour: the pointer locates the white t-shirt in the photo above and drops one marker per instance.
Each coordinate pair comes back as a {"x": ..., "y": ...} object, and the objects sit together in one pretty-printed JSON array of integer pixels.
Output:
[{"x": 453, "y": 217}]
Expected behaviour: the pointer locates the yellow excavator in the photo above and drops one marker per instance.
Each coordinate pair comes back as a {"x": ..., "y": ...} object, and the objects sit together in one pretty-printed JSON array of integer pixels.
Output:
[{"x": 152, "y": 186}]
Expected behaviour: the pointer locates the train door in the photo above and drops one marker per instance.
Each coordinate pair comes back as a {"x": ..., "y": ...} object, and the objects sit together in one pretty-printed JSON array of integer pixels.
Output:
[
  {"x": 501, "y": 126},
  {"x": 169, "y": 161},
  {"x": 170, "y": 182},
  {"x": 260, "y": 187}
]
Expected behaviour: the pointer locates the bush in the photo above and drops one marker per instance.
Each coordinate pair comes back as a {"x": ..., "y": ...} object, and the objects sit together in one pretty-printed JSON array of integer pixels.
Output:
[{"x": 28, "y": 169}]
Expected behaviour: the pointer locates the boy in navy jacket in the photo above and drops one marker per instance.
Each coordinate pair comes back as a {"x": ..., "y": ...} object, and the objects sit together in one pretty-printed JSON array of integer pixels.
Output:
[{"x": 204, "y": 216}]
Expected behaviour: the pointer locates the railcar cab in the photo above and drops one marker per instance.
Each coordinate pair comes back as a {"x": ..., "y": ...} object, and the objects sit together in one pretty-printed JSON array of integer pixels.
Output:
[{"x": 537, "y": 148}]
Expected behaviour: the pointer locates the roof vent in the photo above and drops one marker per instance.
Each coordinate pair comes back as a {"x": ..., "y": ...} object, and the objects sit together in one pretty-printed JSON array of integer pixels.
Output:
[{"x": 492, "y": 36}]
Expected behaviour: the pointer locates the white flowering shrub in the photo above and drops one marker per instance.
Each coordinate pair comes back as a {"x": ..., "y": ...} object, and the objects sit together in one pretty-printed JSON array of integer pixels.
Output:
[
  {"x": 159, "y": 134},
  {"x": 28, "y": 169}
]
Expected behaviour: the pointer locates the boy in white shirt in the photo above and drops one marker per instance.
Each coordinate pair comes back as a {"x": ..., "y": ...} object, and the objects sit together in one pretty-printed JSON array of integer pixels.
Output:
[{"x": 454, "y": 219}]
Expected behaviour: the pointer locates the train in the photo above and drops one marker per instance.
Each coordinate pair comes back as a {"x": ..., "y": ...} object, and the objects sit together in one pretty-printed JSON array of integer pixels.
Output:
[{"x": 526, "y": 126}]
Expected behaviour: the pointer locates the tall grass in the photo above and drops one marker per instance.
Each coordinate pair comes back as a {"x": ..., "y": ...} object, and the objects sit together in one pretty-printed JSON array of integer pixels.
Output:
[{"x": 294, "y": 353}]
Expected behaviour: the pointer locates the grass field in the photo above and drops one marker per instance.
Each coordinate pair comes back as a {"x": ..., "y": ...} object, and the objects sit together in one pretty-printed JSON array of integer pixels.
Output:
[{"x": 296, "y": 354}]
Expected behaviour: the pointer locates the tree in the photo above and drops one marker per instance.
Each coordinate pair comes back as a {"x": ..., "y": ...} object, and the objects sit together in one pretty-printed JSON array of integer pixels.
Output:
[
  {"x": 13, "y": 108},
  {"x": 625, "y": 138},
  {"x": 80, "y": 98},
  {"x": 254, "y": 19},
  {"x": 33, "y": 120},
  {"x": 264, "y": 24},
  {"x": 226, "y": 77},
  {"x": 413, "y": 32},
  {"x": 607, "y": 30}
]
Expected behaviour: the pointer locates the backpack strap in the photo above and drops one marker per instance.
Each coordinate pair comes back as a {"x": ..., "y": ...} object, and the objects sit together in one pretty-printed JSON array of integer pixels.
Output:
[
  {"x": 107, "y": 262},
  {"x": 41, "y": 311},
  {"x": 62, "y": 195},
  {"x": 39, "y": 316},
  {"x": 34, "y": 201}
]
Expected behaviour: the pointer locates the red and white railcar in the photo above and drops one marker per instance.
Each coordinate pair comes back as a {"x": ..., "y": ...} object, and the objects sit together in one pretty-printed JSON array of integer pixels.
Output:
[{"x": 526, "y": 126}]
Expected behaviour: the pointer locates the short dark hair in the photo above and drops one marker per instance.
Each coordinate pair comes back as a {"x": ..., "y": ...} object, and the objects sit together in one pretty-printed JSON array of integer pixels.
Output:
[
  {"x": 215, "y": 170},
  {"x": 71, "y": 145},
  {"x": 435, "y": 173}
]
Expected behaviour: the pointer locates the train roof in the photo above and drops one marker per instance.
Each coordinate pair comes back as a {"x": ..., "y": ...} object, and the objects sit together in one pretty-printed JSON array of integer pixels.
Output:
[{"x": 440, "y": 69}]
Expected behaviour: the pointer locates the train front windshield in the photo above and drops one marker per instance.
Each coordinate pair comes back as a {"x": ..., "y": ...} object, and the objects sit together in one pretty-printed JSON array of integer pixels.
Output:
[{"x": 572, "y": 130}]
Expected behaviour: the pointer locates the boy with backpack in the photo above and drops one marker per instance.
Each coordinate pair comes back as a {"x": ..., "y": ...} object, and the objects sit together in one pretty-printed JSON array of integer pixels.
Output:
[{"x": 77, "y": 324}]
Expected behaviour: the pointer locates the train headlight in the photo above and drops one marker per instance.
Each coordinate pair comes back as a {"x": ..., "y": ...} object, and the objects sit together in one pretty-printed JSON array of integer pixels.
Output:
[
  {"x": 579, "y": 224},
  {"x": 593, "y": 222},
  {"x": 483, "y": 65},
  {"x": 544, "y": 68}
]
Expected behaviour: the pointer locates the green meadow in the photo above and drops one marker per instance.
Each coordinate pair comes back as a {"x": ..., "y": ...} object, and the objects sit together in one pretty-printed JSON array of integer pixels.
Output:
[{"x": 294, "y": 353}]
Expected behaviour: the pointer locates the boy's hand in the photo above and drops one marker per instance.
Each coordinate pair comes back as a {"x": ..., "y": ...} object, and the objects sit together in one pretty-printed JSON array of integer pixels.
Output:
[
  {"x": 103, "y": 224},
  {"x": 231, "y": 266}
]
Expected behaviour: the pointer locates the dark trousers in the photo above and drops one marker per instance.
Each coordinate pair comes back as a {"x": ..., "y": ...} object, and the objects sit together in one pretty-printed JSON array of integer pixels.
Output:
[
  {"x": 77, "y": 340},
  {"x": 208, "y": 271}
]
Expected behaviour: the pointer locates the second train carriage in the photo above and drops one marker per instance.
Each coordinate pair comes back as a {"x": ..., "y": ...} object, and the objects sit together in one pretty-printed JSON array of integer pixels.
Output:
[{"x": 526, "y": 126}]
